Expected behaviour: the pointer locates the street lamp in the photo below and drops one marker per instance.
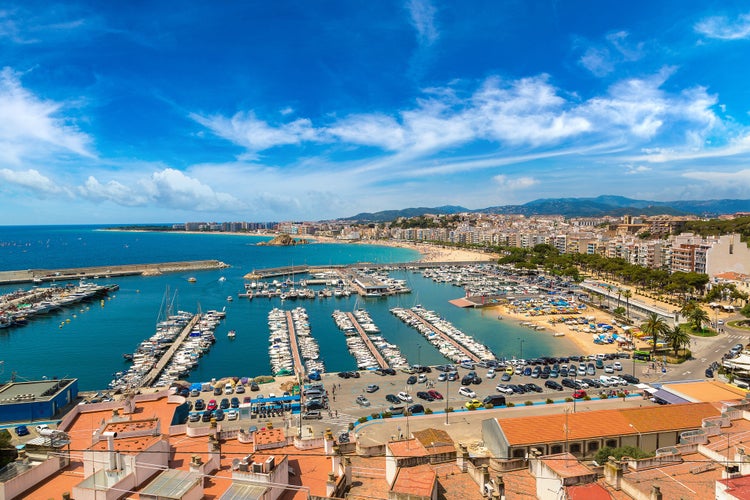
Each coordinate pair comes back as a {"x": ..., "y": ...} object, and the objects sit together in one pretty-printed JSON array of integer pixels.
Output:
[
  {"x": 419, "y": 355},
  {"x": 640, "y": 436},
  {"x": 447, "y": 396},
  {"x": 520, "y": 356}
]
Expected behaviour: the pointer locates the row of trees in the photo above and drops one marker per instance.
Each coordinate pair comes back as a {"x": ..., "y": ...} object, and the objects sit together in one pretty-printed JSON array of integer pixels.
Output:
[{"x": 675, "y": 337}]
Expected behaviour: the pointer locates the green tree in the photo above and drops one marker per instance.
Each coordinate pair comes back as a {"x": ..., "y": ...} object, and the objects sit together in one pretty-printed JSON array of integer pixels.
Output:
[
  {"x": 677, "y": 338},
  {"x": 698, "y": 317},
  {"x": 655, "y": 326},
  {"x": 603, "y": 454},
  {"x": 627, "y": 294}
]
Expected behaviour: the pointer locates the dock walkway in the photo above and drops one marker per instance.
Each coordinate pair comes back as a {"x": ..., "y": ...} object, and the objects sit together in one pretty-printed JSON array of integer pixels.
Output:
[
  {"x": 77, "y": 273},
  {"x": 166, "y": 358},
  {"x": 299, "y": 369},
  {"x": 374, "y": 350},
  {"x": 445, "y": 337}
]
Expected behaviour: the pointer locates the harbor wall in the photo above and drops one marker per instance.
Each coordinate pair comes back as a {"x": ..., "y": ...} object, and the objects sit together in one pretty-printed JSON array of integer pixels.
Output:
[{"x": 75, "y": 273}]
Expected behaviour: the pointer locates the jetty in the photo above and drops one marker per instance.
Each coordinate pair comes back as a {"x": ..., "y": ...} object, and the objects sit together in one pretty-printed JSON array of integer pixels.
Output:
[
  {"x": 299, "y": 369},
  {"x": 167, "y": 356},
  {"x": 375, "y": 352},
  {"x": 78, "y": 273}
]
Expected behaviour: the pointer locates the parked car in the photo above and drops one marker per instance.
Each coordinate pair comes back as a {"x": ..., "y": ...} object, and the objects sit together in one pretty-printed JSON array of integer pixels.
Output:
[
  {"x": 234, "y": 402},
  {"x": 417, "y": 408},
  {"x": 219, "y": 415},
  {"x": 206, "y": 416},
  {"x": 312, "y": 415},
  {"x": 617, "y": 366},
  {"x": 422, "y": 378},
  {"x": 212, "y": 405},
  {"x": 372, "y": 388},
  {"x": 425, "y": 395},
  {"x": 504, "y": 388},
  {"x": 403, "y": 396},
  {"x": 435, "y": 394},
  {"x": 224, "y": 404},
  {"x": 240, "y": 389},
  {"x": 630, "y": 379},
  {"x": 579, "y": 394},
  {"x": 442, "y": 377},
  {"x": 474, "y": 404},
  {"x": 199, "y": 404},
  {"x": 392, "y": 398},
  {"x": 465, "y": 391},
  {"x": 194, "y": 417},
  {"x": 362, "y": 401},
  {"x": 551, "y": 384},
  {"x": 22, "y": 430},
  {"x": 233, "y": 415},
  {"x": 411, "y": 380},
  {"x": 533, "y": 387}
]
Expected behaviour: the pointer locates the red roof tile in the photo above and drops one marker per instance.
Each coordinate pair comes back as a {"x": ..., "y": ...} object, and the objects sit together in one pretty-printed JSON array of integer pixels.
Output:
[
  {"x": 591, "y": 491},
  {"x": 416, "y": 481}
]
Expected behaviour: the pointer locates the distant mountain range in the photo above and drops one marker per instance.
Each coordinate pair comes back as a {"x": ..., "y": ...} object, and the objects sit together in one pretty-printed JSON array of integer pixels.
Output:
[{"x": 576, "y": 207}]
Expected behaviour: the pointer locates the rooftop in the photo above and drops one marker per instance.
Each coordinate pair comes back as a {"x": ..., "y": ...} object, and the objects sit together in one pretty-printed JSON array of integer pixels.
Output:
[
  {"x": 566, "y": 465},
  {"x": 680, "y": 480},
  {"x": 43, "y": 389},
  {"x": 151, "y": 424},
  {"x": 128, "y": 444},
  {"x": 415, "y": 481},
  {"x": 711, "y": 391},
  {"x": 407, "y": 448},
  {"x": 738, "y": 487},
  {"x": 602, "y": 423},
  {"x": 172, "y": 483}
]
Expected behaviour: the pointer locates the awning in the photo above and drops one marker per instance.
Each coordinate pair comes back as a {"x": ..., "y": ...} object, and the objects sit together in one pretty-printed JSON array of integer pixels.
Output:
[{"x": 668, "y": 397}]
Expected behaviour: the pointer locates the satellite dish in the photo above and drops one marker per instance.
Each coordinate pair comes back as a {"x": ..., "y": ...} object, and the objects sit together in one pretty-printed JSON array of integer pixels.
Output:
[{"x": 236, "y": 464}]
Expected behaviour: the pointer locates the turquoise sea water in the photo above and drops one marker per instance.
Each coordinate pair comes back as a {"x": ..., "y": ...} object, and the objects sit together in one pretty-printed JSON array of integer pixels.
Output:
[{"x": 91, "y": 345}]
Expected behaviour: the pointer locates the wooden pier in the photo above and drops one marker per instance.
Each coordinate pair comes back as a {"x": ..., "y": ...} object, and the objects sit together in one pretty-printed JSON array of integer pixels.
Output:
[
  {"x": 77, "y": 273},
  {"x": 299, "y": 368},
  {"x": 374, "y": 350},
  {"x": 166, "y": 358},
  {"x": 445, "y": 337}
]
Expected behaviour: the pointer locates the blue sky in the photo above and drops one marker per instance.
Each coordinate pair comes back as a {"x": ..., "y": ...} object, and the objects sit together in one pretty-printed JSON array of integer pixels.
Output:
[{"x": 116, "y": 112}]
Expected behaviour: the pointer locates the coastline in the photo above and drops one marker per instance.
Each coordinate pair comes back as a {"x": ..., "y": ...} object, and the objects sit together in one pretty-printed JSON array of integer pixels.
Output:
[{"x": 428, "y": 252}]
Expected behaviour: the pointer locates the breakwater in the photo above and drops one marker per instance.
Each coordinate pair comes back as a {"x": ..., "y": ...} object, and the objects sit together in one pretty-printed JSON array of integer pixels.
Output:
[{"x": 76, "y": 273}]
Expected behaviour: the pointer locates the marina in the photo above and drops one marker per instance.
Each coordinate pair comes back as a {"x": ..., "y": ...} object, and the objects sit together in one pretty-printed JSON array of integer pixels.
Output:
[
  {"x": 382, "y": 363},
  {"x": 364, "y": 356}
]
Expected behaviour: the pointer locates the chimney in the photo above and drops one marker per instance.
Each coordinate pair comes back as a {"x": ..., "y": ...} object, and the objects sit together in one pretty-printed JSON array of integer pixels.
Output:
[
  {"x": 348, "y": 470},
  {"x": 110, "y": 437},
  {"x": 196, "y": 464},
  {"x": 328, "y": 442},
  {"x": 485, "y": 479},
  {"x": 331, "y": 485},
  {"x": 655, "y": 493},
  {"x": 613, "y": 473}
]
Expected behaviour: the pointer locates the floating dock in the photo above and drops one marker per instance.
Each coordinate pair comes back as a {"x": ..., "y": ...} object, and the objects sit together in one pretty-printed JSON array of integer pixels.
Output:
[
  {"x": 299, "y": 369},
  {"x": 376, "y": 354},
  {"x": 443, "y": 336},
  {"x": 157, "y": 369},
  {"x": 77, "y": 273}
]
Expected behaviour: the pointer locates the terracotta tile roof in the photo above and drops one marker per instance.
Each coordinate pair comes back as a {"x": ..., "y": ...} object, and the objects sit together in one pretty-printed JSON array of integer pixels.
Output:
[
  {"x": 519, "y": 484},
  {"x": 731, "y": 275},
  {"x": 604, "y": 423},
  {"x": 435, "y": 441},
  {"x": 591, "y": 491},
  {"x": 677, "y": 480},
  {"x": 738, "y": 487},
  {"x": 416, "y": 481},
  {"x": 453, "y": 483},
  {"x": 566, "y": 465},
  {"x": 407, "y": 448}
]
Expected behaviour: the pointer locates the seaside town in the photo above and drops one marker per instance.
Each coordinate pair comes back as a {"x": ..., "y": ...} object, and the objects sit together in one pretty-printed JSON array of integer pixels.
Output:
[{"x": 630, "y": 412}]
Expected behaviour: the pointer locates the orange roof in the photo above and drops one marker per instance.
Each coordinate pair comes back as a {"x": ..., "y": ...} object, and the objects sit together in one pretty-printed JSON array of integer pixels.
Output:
[
  {"x": 270, "y": 436},
  {"x": 566, "y": 465},
  {"x": 415, "y": 481},
  {"x": 709, "y": 390},
  {"x": 731, "y": 275},
  {"x": 591, "y": 491},
  {"x": 602, "y": 423},
  {"x": 407, "y": 448},
  {"x": 128, "y": 445},
  {"x": 132, "y": 425},
  {"x": 435, "y": 441},
  {"x": 738, "y": 487},
  {"x": 455, "y": 484}
]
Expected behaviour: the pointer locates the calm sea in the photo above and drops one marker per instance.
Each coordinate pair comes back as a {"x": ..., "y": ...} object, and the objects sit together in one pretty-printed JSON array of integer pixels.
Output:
[{"x": 90, "y": 346}]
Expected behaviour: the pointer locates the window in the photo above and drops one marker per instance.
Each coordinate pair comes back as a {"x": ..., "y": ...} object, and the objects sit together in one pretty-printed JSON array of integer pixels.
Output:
[
  {"x": 593, "y": 446},
  {"x": 519, "y": 453},
  {"x": 575, "y": 448},
  {"x": 611, "y": 443},
  {"x": 556, "y": 448}
]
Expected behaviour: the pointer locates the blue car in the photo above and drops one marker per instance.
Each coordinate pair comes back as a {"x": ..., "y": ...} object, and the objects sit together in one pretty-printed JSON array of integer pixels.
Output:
[{"x": 22, "y": 430}]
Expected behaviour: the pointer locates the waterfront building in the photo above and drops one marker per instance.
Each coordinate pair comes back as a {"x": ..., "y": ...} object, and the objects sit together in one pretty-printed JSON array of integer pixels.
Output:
[{"x": 36, "y": 400}]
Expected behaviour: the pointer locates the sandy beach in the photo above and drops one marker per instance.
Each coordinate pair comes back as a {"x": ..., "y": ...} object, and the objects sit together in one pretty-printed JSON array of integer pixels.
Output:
[{"x": 582, "y": 340}]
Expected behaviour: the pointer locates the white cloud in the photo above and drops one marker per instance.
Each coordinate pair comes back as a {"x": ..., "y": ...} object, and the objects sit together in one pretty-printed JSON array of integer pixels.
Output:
[
  {"x": 602, "y": 59},
  {"x": 724, "y": 180},
  {"x": 370, "y": 130},
  {"x": 248, "y": 131},
  {"x": 31, "y": 127},
  {"x": 636, "y": 169},
  {"x": 514, "y": 183},
  {"x": 167, "y": 188},
  {"x": 598, "y": 61},
  {"x": 723, "y": 28},
  {"x": 30, "y": 179},
  {"x": 422, "y": 16}
]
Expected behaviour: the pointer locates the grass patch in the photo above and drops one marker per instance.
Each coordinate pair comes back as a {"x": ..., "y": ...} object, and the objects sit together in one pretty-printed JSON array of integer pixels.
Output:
[
  {"x": 740, "y": 323},
  {"x": 705, "y": 332}
]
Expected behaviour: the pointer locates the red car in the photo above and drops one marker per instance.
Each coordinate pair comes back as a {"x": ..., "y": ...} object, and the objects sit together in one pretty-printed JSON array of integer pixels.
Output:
[
  {"x": 579, "y": 394},
  {"x": 435, "y": 394},
  {"x": 212, "y": 405}
]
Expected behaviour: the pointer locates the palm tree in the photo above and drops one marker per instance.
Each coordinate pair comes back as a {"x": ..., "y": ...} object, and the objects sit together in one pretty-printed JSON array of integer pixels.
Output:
[
  {"x": 619, "y": 294},
  {"x": 698, "y": 317},
  {"x": 609, "y": 292},
  {"x": 677, "y": 338},
  {"x": 627, "y": 294},
  {"x": 688, "y": 308},
  {"x": 654, "y": 326}
]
